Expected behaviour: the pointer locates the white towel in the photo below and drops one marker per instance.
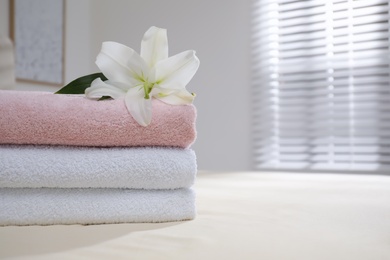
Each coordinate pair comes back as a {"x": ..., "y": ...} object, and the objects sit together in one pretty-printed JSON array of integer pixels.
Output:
[
  {"x": 48, "y": 206},
  {"x": 91, "y": 167}
]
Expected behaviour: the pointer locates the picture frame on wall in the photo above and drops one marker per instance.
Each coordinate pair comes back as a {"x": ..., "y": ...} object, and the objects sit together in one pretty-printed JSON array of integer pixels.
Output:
[{"x": 37, "y": 31}]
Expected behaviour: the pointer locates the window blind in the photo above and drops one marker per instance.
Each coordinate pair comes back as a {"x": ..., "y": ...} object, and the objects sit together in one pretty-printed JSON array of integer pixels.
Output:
[{"x": 321, "y": 85}]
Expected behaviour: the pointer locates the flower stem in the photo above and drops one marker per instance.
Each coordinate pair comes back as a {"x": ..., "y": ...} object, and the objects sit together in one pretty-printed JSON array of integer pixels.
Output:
[{"x": 147, "y": 89}]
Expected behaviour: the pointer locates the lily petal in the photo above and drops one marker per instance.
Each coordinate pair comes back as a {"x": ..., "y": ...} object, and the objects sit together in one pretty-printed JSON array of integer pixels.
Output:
[
  {"x": 154, "y": 45},
  {"x": 176, "y": 97},
  {"x": 139, "y": 107},
  {"x": 176, "y": 71},
  {"x": 99, "y": 88},
  {"x": 120, "y": 63}
]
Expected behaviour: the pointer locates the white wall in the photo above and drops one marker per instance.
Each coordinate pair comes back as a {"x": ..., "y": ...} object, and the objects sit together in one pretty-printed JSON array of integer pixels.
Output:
[
  {"x": 218, "y": 30},
  {"x": 4, "y": 17}
]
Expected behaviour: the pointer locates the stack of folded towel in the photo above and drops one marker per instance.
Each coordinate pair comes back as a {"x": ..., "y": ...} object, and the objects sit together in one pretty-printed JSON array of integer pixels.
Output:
[{"x": 70, "y": 160}]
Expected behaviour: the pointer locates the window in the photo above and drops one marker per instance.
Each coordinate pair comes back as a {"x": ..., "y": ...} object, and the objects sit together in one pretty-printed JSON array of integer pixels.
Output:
[{"x": 321, "y": 85}]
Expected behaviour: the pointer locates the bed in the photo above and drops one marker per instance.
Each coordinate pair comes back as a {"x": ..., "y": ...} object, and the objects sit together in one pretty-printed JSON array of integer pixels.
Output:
[{"x": 241, "y": 215}]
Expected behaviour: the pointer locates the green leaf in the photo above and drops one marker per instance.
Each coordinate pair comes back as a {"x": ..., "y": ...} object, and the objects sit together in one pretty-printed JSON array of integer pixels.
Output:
[
  {"x": 79, "y": 85},
  {"x": 104, "y": 98}
]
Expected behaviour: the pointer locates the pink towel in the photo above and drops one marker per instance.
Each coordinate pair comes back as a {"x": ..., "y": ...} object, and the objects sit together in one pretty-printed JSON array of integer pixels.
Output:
[{"x": 52, "y": 119}]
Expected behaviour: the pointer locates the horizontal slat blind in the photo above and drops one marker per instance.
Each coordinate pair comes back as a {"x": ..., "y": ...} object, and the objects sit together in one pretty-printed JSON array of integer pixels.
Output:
[{"x": 321, "y": 84}]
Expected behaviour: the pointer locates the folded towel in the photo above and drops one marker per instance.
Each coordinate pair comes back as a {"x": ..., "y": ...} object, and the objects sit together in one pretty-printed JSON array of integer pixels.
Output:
[
  {"x": 94, "y": 206},
  {"x": 45, "y": 118},
  {"x": 29, "y": 166}
]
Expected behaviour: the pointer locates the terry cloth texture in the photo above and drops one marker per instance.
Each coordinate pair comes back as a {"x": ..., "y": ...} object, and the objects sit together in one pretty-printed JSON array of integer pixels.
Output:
[
  {"x": 29, "y": 166},
  {"x": 52, "y": 119},
  {"x": 93, "y": 206}
]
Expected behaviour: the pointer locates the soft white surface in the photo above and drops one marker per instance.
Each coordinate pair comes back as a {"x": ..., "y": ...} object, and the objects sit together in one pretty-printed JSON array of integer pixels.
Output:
[
  {"x": 93, "y": 206},
  {"x": 240, "y": 216},
  {"x": 83, "y": 167}
]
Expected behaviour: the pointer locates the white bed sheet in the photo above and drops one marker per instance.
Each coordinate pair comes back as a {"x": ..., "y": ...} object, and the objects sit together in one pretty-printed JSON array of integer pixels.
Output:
[{"x": 241, "y": 215}]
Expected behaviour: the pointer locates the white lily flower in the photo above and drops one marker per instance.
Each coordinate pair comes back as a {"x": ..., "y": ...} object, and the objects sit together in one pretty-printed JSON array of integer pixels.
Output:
[{"x": 138, "y": 78}]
